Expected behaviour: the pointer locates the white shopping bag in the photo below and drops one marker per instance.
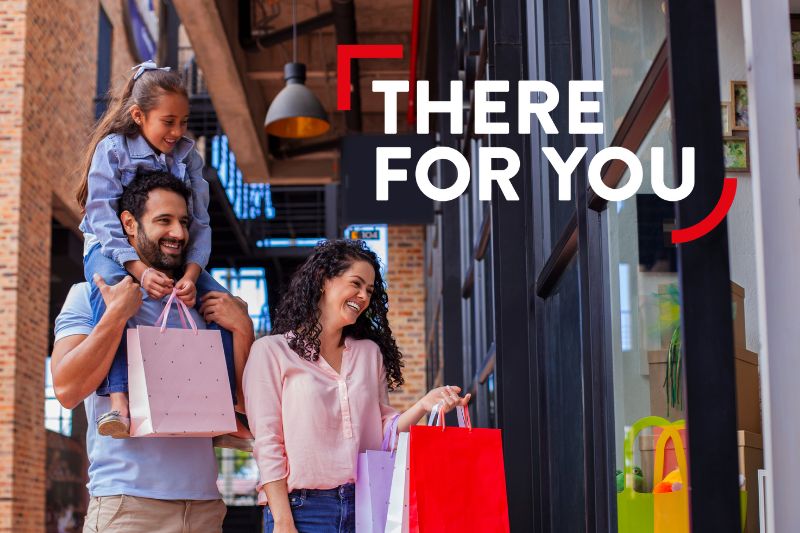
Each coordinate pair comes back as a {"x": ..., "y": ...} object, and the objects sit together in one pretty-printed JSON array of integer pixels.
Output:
[{"x": 397, "y": 516}]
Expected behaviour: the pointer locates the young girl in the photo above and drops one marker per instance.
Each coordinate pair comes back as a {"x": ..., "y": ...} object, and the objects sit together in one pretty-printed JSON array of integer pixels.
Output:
[
  {"x": 316, "y": 393},
  {"x": 142, "y": 130}
]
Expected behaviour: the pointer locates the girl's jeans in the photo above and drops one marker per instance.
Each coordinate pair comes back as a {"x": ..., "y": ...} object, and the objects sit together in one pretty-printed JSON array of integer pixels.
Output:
[
  {"x": 112, "y": 273},
  {"x": 320, "y": 511}
]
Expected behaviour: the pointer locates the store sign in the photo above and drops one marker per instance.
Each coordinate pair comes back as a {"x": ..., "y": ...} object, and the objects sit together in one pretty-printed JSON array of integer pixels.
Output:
[
  {"x": 364, "y": 235},
  {"x": 534, "y": 98},
  {"x": 142, "y": 26},
  {"x": 376, "y": 238}
]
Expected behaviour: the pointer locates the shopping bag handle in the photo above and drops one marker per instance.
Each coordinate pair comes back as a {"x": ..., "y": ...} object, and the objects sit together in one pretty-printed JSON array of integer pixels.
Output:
[
  {"x": 182, "y": 310},
  {"x": 630, "y": 437},
  {"x": 390, "y": 436},
  {"x": 671, "y": 432},
  {"x": 437, "y": 418}
]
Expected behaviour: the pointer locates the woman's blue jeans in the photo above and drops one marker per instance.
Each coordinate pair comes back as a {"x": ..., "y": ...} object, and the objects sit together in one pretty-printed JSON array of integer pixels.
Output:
[
  {"x": 320, "y": 511},
  {"x": 112, "y": 273}
]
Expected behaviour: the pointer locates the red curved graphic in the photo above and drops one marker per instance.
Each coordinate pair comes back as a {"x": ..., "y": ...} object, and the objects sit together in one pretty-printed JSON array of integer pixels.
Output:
[
  {"x": 347, "y": 52},
  {"x": 713, "y": 219}
]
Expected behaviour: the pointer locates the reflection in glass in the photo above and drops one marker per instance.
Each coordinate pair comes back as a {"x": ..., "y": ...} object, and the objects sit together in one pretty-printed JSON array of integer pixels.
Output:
[
  {"x": 632, "y": 32},
  {"x": 645, "y": 341}
]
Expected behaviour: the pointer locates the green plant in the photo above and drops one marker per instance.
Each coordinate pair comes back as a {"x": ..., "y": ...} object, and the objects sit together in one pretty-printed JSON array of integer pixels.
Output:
[
  {"x": 670, "y": 317},
  {"x": 672, "y": 378}
]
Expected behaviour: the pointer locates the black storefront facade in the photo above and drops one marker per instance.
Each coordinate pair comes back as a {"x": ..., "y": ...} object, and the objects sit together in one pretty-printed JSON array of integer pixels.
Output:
[{"x": 523, "y": 297}]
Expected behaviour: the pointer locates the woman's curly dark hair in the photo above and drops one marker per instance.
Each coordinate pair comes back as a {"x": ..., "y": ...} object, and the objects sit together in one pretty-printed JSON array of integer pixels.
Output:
[{"x": 298, "y": 312}]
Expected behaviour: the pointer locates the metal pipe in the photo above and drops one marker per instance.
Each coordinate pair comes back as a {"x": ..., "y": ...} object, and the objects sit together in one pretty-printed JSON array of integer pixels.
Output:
[
  {"x": 412, "y": 65},
  {"x": 344, "y": 20}
]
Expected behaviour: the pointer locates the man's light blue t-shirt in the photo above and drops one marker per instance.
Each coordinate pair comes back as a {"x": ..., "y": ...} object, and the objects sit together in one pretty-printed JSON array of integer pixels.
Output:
[{"x": 163, "y": 468}]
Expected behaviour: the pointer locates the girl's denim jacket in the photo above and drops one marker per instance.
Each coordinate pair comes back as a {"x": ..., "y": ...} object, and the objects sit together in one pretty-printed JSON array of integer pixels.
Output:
[{"x": 116, "y": 160}]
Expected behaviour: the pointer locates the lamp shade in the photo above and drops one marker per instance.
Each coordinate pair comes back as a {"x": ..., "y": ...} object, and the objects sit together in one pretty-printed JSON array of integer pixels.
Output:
[{"x": 296, "y": 113}]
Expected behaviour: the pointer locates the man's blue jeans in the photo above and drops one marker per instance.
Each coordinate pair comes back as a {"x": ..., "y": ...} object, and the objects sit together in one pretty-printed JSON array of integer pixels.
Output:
[
  {"x": 320, "y": 511},
  {"x": 112, "y": 273}
]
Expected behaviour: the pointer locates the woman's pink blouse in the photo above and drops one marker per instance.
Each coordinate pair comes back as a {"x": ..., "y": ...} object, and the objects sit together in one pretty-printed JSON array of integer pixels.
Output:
[{"x": 309, "y": 422}]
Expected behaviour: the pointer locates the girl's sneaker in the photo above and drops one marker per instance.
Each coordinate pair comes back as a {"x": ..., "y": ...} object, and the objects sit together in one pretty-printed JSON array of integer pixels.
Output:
[{"x": 112, "y": 424}]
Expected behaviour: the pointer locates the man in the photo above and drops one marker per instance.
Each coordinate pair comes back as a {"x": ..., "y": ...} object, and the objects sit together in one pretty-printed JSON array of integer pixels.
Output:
[{"x": 143, "y": 484}]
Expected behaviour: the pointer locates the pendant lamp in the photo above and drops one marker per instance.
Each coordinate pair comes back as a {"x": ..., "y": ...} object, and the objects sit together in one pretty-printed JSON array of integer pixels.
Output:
[{"x": 296, "y": 113}]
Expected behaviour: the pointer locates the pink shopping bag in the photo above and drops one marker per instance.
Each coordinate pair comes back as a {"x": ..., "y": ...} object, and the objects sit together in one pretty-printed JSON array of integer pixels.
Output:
[
  {"x": 177, "y": 380},
  {"x": 374, "y": 483}
]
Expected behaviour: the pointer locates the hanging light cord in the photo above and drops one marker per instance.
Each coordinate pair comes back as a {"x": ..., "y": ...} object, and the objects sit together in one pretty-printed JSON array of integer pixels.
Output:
[{"x": 294, "y": 31}]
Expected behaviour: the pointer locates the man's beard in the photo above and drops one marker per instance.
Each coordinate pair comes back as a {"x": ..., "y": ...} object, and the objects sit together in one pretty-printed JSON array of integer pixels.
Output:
[{"x": 151, "y": 252}]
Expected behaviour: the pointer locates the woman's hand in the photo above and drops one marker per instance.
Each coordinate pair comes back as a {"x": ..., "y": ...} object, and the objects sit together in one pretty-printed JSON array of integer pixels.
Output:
[
  {"x": 447, "y": 396},
  {"x": 284, "y": 527},
  {"x": 277, "y": 494}
]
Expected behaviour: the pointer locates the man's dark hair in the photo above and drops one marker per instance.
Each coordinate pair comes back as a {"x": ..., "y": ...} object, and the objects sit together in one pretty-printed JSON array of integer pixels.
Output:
[{"x": 134, "y": 197}]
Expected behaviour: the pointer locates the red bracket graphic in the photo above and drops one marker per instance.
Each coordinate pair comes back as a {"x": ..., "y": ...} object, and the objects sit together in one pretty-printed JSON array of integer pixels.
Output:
[
  {"x": 717, "y": 215},
  {"x": 346, "y": 52}
]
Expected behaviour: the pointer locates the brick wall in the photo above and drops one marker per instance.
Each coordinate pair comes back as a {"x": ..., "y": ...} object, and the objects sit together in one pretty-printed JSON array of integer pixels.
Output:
[
  {"x": 12, "y": 57},
  {"x": 47, "y": 79},
  {"x": 406, "y": 280}
]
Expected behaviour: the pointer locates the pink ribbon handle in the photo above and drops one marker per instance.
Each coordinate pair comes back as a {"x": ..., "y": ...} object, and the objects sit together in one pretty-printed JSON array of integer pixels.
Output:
[
  {"x": 189, "y": 318},
  {"x": 182, "y": 310},
  {"x": 390, "y": 435}
]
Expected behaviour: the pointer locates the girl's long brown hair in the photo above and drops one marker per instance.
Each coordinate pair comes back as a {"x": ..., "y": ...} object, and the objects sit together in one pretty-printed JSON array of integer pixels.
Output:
[{"x": 144, "y": 92}]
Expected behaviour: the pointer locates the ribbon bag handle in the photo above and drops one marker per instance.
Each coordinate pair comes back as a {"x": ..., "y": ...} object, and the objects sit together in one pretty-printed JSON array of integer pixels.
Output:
[
  {"x": 390, "y": 436},
  {"x": 437, "y": 418},
  {"x": 671, "y": 432},
  {"x": 182, "y": 310},
  {"x": 630, "y": 436}
]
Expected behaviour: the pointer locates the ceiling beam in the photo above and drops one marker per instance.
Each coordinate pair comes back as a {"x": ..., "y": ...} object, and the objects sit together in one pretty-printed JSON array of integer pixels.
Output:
[
  {"x": 304, "y": 171},
  {"x": 203, "y": 24},
  {"x": 279, "y": 181},
  {"x": 277, "y": 75}
]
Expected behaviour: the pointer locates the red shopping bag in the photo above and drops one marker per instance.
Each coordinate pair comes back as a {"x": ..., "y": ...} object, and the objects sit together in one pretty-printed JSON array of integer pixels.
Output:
[{"x": 457, "y": 481}]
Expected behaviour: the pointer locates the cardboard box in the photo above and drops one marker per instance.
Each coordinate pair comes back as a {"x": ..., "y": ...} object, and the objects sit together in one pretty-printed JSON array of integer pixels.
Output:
[
  {"x": 737, "y": 312},
  {"x": 748, "y": 398}
]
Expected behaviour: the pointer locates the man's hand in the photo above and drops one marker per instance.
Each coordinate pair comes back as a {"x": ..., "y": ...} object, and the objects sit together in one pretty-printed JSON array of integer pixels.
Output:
[
  {"x": 124, "y": 298},
  {"x": 187, "y": 291},
  {"x": 226, "y": 310},
  {"x": 156, "y": 283}
]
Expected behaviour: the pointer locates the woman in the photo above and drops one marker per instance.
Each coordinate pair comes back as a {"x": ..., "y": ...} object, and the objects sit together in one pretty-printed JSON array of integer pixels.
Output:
[{"x": 316, "y": 393}]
